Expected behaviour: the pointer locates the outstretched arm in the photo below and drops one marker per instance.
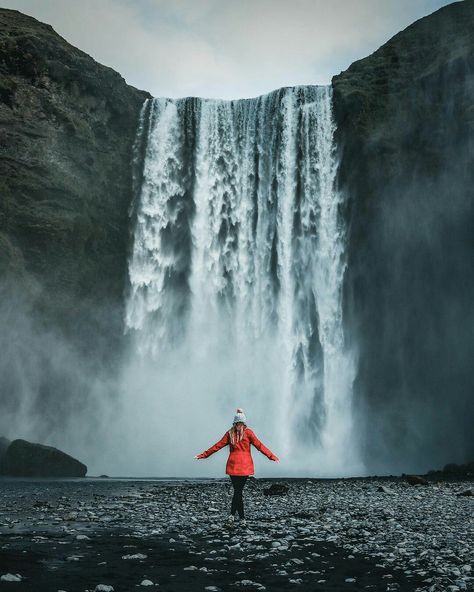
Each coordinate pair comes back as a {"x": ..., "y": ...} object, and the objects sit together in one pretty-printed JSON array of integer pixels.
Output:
[
  {"x": 261, "y": 447},
  {"x": 217, "y": 446}
]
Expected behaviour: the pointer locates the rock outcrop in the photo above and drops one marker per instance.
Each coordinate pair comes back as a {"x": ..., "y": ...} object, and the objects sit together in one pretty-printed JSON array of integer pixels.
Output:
[
  {"x": 26, "y": 459},
  {"x": 67, "y": 126},
  {"x": 405, "y": 120}
]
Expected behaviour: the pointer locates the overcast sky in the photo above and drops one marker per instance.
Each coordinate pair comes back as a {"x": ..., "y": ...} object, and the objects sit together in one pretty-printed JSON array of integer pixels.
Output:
[{"x": 226, "y": 48}]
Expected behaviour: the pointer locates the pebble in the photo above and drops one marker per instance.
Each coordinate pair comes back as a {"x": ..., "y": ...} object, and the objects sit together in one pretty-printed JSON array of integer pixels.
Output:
[
  {"x": 250, "y": 584},
  {"x": 135, "y": 556},
  {"x": 146, "y": 583},
  {"x": 103, "y": 588},
  {"x": 11, "y": 578}
]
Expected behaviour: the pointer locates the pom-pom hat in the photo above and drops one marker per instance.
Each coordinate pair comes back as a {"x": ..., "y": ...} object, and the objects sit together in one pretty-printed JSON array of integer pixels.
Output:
[{"x": 240, "y": 416}]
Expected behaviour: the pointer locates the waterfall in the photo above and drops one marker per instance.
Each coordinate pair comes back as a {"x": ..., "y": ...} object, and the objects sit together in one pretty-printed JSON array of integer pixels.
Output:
[{"x": 237, "y": 266}]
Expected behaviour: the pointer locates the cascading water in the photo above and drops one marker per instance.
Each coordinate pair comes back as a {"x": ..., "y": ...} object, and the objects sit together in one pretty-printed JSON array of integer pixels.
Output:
[{"x": 237, "y": 268}]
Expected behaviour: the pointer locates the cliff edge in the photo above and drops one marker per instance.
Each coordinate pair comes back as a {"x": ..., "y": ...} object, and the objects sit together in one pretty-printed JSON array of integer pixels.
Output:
[{"x": 405, "y": 119}]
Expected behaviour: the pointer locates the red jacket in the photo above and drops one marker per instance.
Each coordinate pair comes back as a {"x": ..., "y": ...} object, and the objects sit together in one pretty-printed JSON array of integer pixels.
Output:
[{"x": 240, "y": 460}]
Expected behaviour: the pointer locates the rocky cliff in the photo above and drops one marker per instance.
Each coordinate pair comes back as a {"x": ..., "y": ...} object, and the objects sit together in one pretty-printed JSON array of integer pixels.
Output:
[
  {"x": 67, "y": 126},
  {"x": 406, "y": 129}
]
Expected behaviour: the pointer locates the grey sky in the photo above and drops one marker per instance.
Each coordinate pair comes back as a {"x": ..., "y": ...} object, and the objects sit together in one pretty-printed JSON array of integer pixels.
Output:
[{"x": 226, "y": 48}]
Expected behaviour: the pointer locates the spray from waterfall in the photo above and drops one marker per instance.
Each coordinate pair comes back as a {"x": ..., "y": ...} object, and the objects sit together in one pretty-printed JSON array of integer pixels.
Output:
[{"x": 236, "y": 272}]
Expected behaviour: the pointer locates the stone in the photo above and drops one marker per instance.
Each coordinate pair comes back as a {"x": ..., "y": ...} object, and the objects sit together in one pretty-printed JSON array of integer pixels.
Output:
[
  {"x": 416, "y": 480},
  {"x": 11, "y": 578},
  {"x": 103, "y": 588},
  {"x": 276, "y": 489},
  {"x": 466, "y": 493},
  {"x": 146, "y": 583},
  {"x": 26, "y": 459}
]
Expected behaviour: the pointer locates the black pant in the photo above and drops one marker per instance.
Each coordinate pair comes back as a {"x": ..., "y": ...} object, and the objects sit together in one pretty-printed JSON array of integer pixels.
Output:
[{"x": 237, "y": 499}]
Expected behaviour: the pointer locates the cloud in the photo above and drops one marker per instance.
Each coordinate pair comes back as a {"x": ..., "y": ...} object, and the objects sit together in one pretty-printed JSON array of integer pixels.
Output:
[{"x": 226, "y": 48}]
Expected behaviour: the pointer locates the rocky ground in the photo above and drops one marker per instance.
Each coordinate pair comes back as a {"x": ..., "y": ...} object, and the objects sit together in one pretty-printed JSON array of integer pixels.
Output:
[{"x": 364, "y": 534}]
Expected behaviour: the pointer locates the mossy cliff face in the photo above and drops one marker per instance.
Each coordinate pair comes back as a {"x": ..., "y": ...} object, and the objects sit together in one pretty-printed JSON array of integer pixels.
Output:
[
  {"x": 67, "y": 125},
  {"x": 406, "y": 132}
]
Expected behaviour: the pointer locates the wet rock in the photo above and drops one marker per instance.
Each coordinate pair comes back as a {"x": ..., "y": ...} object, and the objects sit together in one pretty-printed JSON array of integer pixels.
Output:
[
  {"x": 103, "y": 588},
  {"x": 11, "y": 578},
  {"x": 385, "y": 489},
  {"x": 466, "y": 493},
  {"x": 135, "y": 556},
  {"x": 276, "y": 489},
  {"x": 26, "y": 459},
  {"x": 250, "y": 584},
  {"x": 416, "y": 480}
]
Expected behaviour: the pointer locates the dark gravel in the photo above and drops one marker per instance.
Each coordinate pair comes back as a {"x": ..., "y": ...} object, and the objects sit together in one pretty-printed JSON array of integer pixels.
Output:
[{"x": 364, "y": 534}]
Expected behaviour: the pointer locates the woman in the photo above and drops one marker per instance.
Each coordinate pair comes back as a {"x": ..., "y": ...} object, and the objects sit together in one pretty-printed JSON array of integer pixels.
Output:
[{"x": 240, "y": 463}]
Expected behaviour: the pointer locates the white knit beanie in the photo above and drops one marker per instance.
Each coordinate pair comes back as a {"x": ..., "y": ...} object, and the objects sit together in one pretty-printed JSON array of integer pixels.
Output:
[{"x": 240, "y": 416}]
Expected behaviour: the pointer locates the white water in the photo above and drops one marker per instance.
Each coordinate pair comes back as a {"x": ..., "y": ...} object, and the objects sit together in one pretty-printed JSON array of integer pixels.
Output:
[{"x": 236, "y": 284}]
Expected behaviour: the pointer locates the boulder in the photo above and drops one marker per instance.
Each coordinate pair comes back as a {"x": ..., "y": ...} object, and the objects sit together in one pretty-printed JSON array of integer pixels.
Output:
[
  {"x": 276, "y": 489},
  {"x": 26, "y": 459},
  {"x": 466, "y": 493},
  {"x": 416, "y": 480}
]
